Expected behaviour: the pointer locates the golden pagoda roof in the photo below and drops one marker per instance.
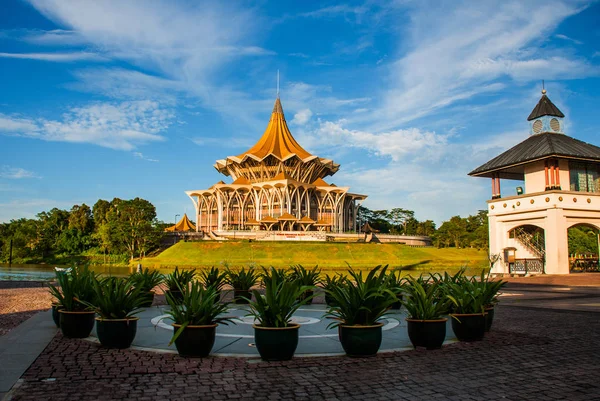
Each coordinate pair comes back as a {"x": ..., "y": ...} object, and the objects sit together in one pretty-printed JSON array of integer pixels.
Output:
[
  {"x": 184, "y": 225},
  {"x": 322, "y": 223},
  {"x": 287, "y": 216},
  {"x": 269, "y": 219},
  {"x": 319, "y": 182},
  {"x": 306, "y": 220},
  {"x": 252, "y": 222},
  {"x": 277, "y": 140}
]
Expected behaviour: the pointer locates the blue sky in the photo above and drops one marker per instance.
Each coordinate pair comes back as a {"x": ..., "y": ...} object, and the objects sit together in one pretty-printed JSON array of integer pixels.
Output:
[{"x": 139, "y": 98}]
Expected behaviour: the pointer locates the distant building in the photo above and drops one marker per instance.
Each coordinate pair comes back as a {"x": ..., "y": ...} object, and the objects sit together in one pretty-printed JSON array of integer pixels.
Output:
[
  {"x": 277, "y": 185},
  {"x": 562, "y": 190}
]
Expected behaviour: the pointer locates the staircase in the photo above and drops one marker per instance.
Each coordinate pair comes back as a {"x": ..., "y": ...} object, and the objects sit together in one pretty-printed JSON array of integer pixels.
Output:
[{"x": 532, "y": 243}]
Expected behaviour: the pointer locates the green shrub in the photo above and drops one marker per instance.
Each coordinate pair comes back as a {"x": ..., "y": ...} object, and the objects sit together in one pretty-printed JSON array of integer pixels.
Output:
[
  {"x": 179, "y": 279},
  {"x": 305, "y": 276},
  {"x": 213, "y": 278},
  {"x": 281, "y": 299},
  {"x": 242, "y": 279},
  {"x": 424, "y": 302},
  {"x": 116, "y": 298},
  {"x": 74, "y": 287},
  {"x": 361, "y": 301},
  {"x": 147, "y": 279}
]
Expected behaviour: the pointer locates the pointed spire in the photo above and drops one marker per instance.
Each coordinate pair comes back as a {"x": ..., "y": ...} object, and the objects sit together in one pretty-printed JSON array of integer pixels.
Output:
[
  {"x": 277, "y": 108},
  {"x": 545, "y": 107}
]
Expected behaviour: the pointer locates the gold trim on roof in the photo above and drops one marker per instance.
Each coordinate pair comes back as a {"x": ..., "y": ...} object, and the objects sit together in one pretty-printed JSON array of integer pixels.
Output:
[
  {"x": 287, "y": 216},
  {"x": 277, "y": 139},
  {"x": 183, "y": 225}
]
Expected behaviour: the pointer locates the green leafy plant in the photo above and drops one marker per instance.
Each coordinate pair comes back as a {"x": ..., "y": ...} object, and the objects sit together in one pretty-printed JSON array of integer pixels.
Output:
[
  {"x": 305, "y": 276},
  {"x": 179, "y": 279},
  {"x": 242, "y": 280},
  {"x": 147, "y": 279},
  {"x": 116, "y": 298},
  {"x": 281, "y": 299},
  {"x": 197, "y": 308},
  {"x": 270, "y": 273},
  {"x": 213, "y": 278},
  {"x": 490, "y": 288},
  {"x": 74, "y": 287},
  {"x": 467, "y": 297},
  {"x": 424, "y": 302},
  {"x": 328, "y": 282},
  {"x": 361, "y": 301}
]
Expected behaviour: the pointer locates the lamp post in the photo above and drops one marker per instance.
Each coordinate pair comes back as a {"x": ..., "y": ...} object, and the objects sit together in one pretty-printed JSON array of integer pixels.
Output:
[{"x": 175, "y": 229}]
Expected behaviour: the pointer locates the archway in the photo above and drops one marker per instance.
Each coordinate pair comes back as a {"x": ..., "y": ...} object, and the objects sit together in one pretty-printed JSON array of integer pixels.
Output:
[
  {"x": 584, "y": 247},
  {"x": 528, "y": 251}
]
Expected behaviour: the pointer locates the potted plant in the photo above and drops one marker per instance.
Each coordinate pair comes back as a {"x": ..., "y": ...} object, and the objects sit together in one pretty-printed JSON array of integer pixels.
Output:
[
  {"x": 146, "y": 280},
  {"x": 275, "y": 336},
  {"x": 426, "y": 309},
  {"x": 195, "y": 319},
  {"x": 395, "y": 284},
  {"x": 491, "y": 290},
  {"x": 468, "y": 310},
  {"x": 328, "y": 283},
  {"x": 214, "y": 278},
  {"x": 242, "y": 281},
  {"x": 306, "y": 277},
  {"x": 278, "y": 274},
  {"x": 178, "y": 280},
  {"x": 76, "y": 319},
  {"x": 117, "y": 301},
  {"x": 359, "y": 305}
]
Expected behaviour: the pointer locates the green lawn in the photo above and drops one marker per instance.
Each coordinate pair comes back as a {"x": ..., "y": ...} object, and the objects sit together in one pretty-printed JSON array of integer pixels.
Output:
[{"x": 329, "y": 256}]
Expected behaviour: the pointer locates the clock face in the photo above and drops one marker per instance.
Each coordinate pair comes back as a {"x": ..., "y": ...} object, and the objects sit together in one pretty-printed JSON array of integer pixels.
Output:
[
  {"x": 555, "y": 125},
  {"x": 537, "y": 126}
]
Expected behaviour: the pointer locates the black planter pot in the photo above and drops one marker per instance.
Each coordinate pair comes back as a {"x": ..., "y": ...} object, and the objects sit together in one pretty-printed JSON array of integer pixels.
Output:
[
  {"x": 469, "y": 327},
  {"x": 116, "y": 333},
  {"x": 238, "y": 294},
  {"x": 76, "y": 324},
  {"x": 427, "y": 333},
  {"x": 56, "y": 315},
  {"x": 276, "y": 343},
  {"x": 150, "y": 300},
  {"x": 175, "y": 294},
  {"x": 305, "y": 295},
  {"x": 489, "y": 318},
  {"x": 195, "y": 341},
  {"x": 360, "y": 341}
]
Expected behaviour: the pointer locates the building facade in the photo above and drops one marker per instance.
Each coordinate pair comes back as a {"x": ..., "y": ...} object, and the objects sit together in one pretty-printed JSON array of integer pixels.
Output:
[
  {"x": 276, "y": 185},
  {"x": 561, "y": 190}
]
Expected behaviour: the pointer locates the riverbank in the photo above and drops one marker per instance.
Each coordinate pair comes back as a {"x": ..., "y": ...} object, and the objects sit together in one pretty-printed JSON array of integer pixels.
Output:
[
  {"x": 330, "y": 257},
  {"x": 19, "y": 300}
]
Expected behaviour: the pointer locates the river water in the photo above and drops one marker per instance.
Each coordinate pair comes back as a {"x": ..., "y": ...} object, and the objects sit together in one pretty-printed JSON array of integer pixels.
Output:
[{"x": 47, "y": 272}]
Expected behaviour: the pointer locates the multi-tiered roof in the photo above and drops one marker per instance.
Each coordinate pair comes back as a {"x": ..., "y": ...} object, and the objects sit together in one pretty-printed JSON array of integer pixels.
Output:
[{"x": 276, "y": 154}]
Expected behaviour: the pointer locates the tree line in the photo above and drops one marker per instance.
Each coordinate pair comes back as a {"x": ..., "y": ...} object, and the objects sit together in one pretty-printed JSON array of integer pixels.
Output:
[
  {"x": 459, "y": 232},
  {"x": 123, "y": 229}
]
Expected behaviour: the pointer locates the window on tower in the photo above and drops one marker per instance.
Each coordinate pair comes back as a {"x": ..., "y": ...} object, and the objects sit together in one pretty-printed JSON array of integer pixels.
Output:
[{"x": 584, "y": 177}]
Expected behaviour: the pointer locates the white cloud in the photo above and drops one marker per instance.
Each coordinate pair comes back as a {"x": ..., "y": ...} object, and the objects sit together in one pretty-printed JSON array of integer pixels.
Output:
[
  {"x": 458, "y": 50},
  {"x": 54, "y": 37},
  {"x": 16, "y": 173},
  {"x": 140, "y": 155},
  {"x": 302, "y": 117},
  {"x": 55, "y": 57},
  {"x": 120, "y": 126},
  {"x": 565, "y": 37},
  {"x": 396, "y": 145}
]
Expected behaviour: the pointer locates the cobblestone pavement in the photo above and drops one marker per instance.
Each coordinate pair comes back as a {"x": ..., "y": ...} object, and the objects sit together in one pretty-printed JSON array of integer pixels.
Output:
[
  {"x": 529, "y": 355},
  {"x": 19, "y": 300}
]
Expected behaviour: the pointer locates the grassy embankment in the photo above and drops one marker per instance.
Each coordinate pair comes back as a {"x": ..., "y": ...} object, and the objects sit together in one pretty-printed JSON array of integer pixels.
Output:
[{"x": 331, "y": 257}]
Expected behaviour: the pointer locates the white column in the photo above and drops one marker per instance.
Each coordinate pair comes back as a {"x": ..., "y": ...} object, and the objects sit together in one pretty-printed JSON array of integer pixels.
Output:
[{"x": 557, "y": 243}]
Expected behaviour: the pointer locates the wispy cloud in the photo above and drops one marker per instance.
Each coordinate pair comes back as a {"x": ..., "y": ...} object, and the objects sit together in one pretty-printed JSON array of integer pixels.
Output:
[
  {"x": 56, "y": 57},
  {"x": 141, "y": 156},
  {"x": 302, "y": 117},
  {"x": 16, "y": 173},
  {"x": 565, "y": 37},
  {"x": 122, "y": 126}
]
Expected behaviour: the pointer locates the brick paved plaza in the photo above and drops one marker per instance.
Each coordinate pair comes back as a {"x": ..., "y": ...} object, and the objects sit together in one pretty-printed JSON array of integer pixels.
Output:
[{"x": 531, "y": 354}]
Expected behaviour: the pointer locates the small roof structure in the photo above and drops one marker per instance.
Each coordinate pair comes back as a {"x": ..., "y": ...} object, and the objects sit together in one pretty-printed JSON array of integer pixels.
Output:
[
  {"x": 241, "y": 181},
  {"x": 319, "y": 182},
  {"x": 545, "y": 107},
  {"x": 183, "y": 225},
  {"x": 306, "y": 220},
  {"x": 287, "y": 217},
  {"x": 269, "y": 219},
  {"x": 366, "y": 228},
  {"x": 322, "y": 223},
  {"x": 252, "y": 222}
]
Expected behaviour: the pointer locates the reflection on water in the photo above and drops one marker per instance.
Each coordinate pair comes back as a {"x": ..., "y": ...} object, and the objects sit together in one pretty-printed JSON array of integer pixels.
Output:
[{"x": 46, "y": 272}]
